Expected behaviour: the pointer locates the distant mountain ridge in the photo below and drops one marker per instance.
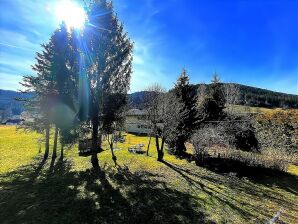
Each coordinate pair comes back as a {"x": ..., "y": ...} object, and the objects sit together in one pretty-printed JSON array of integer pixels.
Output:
[
  {"x": 254, "y": 96},
  {"x": 8, "y": 102},
  {"x": 251, "y": 96}
]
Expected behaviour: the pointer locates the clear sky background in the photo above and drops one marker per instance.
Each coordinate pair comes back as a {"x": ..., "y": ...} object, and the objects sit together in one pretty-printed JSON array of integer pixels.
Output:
[{"x": 251, "y": 42}]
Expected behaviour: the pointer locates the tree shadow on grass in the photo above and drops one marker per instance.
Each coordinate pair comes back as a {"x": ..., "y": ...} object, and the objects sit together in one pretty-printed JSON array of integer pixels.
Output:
[
  {"x": 35, "y": 194},
  {"x": 259, "y": 175},
  {"x": 241, "y": 193},
  {"x": 202, "y": 183}
]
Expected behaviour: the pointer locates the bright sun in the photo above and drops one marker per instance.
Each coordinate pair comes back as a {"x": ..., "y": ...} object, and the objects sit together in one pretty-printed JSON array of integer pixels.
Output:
[{"x": 71, "y": 13}]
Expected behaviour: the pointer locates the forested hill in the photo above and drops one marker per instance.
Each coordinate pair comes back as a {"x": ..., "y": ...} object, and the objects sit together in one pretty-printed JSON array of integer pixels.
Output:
[
  {"x": 261, "y": 97},
  {"x": 8, "y": 102},
  {"x": 250, "y": 96}
]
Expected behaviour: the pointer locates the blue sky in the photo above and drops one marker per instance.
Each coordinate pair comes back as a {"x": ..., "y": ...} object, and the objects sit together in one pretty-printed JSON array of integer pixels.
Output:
[{"x": 252, "y": 42}]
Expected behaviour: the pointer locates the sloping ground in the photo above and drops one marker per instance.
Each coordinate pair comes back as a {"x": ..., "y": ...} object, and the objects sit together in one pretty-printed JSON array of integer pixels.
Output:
[{"x": 139, "y": 190}]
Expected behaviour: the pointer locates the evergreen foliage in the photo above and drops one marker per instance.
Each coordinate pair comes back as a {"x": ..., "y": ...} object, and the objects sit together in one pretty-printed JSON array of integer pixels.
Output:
[
  {"x": 214, "y": 102},
  {"x": 107, "y": 51},
  {"x": 186, "y": 95},
  {"x": 43, "y": 86}
]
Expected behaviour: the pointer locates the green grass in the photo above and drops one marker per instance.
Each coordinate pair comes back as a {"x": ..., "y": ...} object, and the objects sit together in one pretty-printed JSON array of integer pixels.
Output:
[
  {"x": 140, "y": 190},
  {"x": 16, "y": 148}
]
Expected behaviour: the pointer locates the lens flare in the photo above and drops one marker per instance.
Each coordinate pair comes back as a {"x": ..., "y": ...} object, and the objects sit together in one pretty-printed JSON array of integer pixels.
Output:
[{"x": 71, "y": 13}]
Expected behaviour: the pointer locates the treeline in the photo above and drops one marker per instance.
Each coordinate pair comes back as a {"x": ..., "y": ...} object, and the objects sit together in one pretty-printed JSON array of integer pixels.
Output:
[
  {"x": 253, "y": 96},
  {"x": 81, "y": 82},
  {"x": 249, "y": 96}
]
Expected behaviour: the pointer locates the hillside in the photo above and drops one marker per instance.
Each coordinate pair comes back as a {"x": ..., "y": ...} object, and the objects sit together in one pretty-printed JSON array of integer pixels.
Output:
[
  {"x": 250, "y": 96},
  {"x": 8, "y": 103},
  {"x": 253, "y": 96}
]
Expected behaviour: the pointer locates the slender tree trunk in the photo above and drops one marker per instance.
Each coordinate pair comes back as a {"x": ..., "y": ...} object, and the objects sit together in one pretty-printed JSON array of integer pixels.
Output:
[
  {"x": 148, "y": 145},
  {"x": 99, "y": 141},
  {"x": 157, "y": 142},
  {"x": 112, "y": 150},
  {"x": 62, "y": 151},
  {"x": 54, "y": 155},
  {"x": 47, "y": 143},
  {"x": 94, "y": 159},
  {"x": 162, "y": 143}
]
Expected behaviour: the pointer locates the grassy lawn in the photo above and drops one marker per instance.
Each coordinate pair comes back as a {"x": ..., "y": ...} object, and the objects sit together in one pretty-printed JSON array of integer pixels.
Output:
[
  {"x": 16, "y": 148},
  {"x": 140, "y": 190}
]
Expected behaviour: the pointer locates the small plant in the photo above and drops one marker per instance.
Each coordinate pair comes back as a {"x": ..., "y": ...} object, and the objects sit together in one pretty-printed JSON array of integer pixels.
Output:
[{"x": 268, "y": 159}]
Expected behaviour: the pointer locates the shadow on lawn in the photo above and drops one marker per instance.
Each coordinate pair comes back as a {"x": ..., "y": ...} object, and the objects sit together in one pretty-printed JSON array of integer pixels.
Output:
[
  {"x": 38, "y": 194},
  {"x": 259, "y": 175},
  {"x": 240, "y": 180}
]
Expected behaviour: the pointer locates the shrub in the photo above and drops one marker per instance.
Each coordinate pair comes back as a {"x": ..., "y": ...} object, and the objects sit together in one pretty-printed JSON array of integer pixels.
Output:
[
  {"x": 267, "y": 159},
  {"x": 242, "y": 134},
  {"x": 278, "y": 130},
  {"x": 206, "y": 137}
]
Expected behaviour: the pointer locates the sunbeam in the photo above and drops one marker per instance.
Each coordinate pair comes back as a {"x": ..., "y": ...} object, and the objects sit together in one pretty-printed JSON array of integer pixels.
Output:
[{"x": 72, "y": 14}]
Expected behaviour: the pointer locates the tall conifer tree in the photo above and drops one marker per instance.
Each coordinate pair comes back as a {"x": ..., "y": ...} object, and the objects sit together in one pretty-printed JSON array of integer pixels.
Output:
[
  {"x": 186, "y": 95},
  {"x": 42, "y": 85},
  {"x": 108, "y": 52}
]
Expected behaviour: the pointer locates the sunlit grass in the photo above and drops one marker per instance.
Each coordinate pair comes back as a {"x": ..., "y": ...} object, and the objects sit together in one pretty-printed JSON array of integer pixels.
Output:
[
  {"x": 16, "y": 148},
  {"x": 293, "y": 169},
  {"x": 248, "y": 109}
]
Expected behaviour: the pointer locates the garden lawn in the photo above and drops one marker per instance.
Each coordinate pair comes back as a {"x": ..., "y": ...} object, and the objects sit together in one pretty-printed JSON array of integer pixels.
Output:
[
  {"x": 138, "y": 190},
  {"x": 16, "y": 148}
]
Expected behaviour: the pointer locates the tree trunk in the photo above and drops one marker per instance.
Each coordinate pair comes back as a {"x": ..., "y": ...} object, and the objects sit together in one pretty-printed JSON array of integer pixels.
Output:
[
  {"x": 112, "y": 151},
  {"x": 55, "y": 143},
  {"x": 47, "y": 143},
  {"x": 162, "y": 143},
  {"x": 160, "y": 153},
  {"x": 99, "y": 142},
  {"x": 62, "y": 151},
  {"x": 157, "y": 142},
  {"x": 148, "y": 146},
  {"x": 94, "y": 159}
]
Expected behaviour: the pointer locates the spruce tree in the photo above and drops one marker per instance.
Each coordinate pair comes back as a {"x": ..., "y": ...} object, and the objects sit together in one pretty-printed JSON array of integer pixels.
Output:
[
  {"x": 108, "y": 54},
  {"x": 64, "y": 69},
  {"x": 186, "y": 95},
  {"x": 53, "y": 86},
  {"x": 42, "y": 86},
  {"x": 214, "y": 103}
]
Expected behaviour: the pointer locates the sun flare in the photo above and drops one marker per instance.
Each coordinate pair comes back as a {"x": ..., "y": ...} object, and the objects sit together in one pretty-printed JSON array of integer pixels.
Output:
[{"x": 71, "y": 13}]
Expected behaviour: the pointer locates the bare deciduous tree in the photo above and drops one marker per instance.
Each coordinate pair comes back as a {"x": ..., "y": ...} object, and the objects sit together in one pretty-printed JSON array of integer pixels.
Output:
[
  {"x": 153, "y": 106},
  {"x": 163, "y": 114},
  {"x": 207, "y": 136},
  {"x": 201, "y": 93}
]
